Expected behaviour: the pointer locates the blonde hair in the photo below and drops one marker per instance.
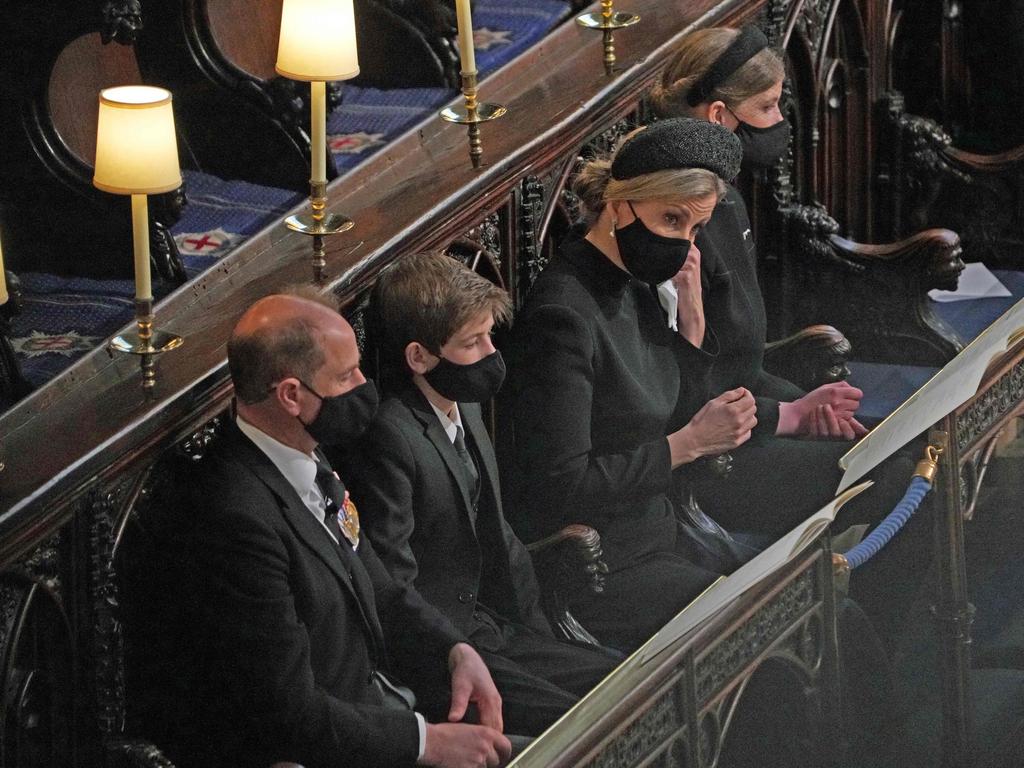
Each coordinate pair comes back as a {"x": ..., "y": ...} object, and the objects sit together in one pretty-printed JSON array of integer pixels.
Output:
[
  {"x": 595, "y": 186},
  {"x": 694, "y": 55}
]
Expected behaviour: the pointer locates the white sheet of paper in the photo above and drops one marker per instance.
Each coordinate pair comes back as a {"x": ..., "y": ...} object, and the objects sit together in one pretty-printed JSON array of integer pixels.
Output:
[
  {"x": 668, "y": 295},
  {"x": 976, "y": 282},
  {"x": 727, "y": 589},
  {"x": 945, "y": 391}
]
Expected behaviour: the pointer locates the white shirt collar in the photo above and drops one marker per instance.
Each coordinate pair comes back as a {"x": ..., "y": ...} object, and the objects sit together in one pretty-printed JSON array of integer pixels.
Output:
[
  {"x": 298, "y": 468},
  {"x": 449, "y": 424}
]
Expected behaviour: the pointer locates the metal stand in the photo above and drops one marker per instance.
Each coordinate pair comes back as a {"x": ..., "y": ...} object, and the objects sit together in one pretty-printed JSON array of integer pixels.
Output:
[
  {"x": 146, "y": 342},
  {"x": 608, "y": 21},
  {"x": 472, "y": 115},
  {"x": 317, "y": 224}
]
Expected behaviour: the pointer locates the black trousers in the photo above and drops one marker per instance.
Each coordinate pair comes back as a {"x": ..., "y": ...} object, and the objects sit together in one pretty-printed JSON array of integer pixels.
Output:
[
  {"x": 539, "y": 678},
  {"x": 640, "y": 598}
]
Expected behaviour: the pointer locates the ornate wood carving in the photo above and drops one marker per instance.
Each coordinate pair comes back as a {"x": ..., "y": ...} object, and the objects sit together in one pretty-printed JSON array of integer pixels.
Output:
[
  {"x": 122, "y": 20},
  {"x": 999, "y": 401},
  {"x": 662, "y": 720},
  {"x": 743, "y": 646},
  {"x": 811, "y": 357}
]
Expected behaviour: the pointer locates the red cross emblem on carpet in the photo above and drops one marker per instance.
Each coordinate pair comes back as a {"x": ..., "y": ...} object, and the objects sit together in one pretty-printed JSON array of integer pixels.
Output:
[
  {"x": 354, "y": 143},
  {"x": 203, "y": 243}
]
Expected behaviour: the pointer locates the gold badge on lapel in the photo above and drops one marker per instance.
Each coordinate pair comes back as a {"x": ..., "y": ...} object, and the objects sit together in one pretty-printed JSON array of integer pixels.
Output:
[{"x": 348, "y": 521}]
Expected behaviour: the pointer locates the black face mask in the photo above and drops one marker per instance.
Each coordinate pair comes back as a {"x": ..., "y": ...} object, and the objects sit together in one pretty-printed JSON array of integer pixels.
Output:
[
  {"x": 343, "y": 418},
  {"x": 762, "y": 147},
  {"x": 473, "y": 383},
  {"x": 650, "y": 257}
]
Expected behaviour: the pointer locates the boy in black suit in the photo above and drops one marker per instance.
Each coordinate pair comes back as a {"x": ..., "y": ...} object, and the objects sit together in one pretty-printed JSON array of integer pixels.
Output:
[{"x": 425, "y": 478}]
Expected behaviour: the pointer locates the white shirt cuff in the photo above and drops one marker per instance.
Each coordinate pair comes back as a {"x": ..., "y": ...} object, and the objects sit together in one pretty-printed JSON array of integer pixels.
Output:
[
  {"x": 421, "y": 724},
  {"x": 668, "y": 295}
]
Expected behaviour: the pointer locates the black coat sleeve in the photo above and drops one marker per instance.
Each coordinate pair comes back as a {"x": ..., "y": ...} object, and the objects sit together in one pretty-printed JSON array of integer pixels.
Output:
[
  {"x": 552, "y": 414},
  {"x": 235, "y": 569},
  {"x": 769, "y": 391}
]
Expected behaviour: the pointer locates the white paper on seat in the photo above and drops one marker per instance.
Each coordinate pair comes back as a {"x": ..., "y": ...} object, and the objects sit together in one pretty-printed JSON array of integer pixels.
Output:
[
  {"x": 948, "y": 389},
  {"x": 976, "y": 282},
  {"x": 722, "y": 593}
]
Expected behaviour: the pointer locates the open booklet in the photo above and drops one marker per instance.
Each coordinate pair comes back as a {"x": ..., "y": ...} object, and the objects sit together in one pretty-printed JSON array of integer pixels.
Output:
[
  {"x": 727, "y": 589},
  {"x": 948, "y": 389}
]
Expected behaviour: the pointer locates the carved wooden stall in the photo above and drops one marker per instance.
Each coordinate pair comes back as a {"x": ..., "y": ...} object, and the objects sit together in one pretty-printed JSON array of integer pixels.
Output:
[
  {"x": 76, "y": 456},
  {"x": 812, "y": 207}
]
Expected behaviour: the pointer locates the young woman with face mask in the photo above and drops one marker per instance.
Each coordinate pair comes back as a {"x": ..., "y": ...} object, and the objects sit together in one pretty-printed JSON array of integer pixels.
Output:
[
  {"x": 732, "y": 78},
  {"x": 606, "y": 399}
]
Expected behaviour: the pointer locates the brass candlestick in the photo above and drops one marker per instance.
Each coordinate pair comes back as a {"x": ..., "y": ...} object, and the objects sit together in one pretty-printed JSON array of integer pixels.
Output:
[
  {"x": 146, "y": 342},
  {"x": 318, "y": 224},
  {"x": 472, "y": 114},
  {"x": 608, "y": 21}
]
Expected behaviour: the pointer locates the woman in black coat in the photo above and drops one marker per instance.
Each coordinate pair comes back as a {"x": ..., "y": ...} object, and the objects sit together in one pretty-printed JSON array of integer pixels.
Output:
[{"x": 607, "y": 400}]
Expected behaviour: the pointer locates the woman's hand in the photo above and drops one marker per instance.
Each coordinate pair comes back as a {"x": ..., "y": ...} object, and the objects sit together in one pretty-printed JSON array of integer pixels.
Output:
[
  {"x": 827, "y": 411},
  {"x": 690, "y": 309},
  {"x": 721, "y": 425}
]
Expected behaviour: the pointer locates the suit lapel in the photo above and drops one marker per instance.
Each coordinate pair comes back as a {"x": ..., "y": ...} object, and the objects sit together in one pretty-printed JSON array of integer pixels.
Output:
[
  {"x": 307, "y": 529},
  {"x": 421, "y": 409}
]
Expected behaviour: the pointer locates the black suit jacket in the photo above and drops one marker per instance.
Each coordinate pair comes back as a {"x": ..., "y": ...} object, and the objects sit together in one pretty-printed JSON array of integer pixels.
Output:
[
  {"x": 277, "y": 630},
  {"x": 415, "y": 502}
]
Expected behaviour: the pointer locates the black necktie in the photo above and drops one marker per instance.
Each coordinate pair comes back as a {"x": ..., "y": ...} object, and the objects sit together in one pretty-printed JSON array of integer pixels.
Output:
[
  {"x": 334, "y": 496},
  {"x": 467, "y": 459}
]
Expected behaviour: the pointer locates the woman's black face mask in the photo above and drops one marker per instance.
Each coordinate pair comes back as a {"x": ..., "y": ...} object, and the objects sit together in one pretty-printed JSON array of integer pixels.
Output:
[
  {"x": 762, "y": 147},
  {"x": 650, "y": 257}
]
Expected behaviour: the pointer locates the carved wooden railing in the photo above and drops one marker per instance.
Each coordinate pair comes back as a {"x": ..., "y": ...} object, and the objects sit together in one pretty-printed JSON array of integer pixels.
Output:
[{"x": 681, "y": 707}]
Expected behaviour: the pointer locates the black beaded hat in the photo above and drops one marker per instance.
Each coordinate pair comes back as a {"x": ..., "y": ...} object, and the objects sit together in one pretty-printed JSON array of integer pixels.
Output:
[{"x": 679, "y": 142}]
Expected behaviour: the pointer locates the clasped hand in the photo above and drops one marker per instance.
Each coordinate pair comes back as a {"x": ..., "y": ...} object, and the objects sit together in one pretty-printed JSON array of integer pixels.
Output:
[
  {"x": 826, "y": 412},
  {"x": 720, "y": 425},
  {"x": 461, "y": 745}
]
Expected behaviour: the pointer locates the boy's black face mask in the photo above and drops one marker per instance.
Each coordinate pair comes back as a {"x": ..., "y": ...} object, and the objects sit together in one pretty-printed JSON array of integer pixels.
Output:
[{"x": 474, "y": 383}]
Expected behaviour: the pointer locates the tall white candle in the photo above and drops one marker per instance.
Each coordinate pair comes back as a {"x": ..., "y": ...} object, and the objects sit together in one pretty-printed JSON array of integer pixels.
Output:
[
  {"x": 3, "y": 280},
  {"x": 318, "y": 129},
  {"x": 140, "y": 237},
  {"x": 467, "y": 56}
]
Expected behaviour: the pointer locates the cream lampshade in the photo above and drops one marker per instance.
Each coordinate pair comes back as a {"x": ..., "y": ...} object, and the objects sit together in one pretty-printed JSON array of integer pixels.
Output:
[
  {"x": 136, "y": 148},
  {"x": 318, "y": 40}
]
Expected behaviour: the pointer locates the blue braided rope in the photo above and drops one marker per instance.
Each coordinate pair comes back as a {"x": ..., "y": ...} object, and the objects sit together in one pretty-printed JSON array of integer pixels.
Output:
[{"x": 888, "y": 528}]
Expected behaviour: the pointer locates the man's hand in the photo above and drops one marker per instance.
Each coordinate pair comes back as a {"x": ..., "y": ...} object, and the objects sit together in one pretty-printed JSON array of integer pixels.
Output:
[
  {"x": 472, "y": 682},
  {"x": 458, "y": 745}
]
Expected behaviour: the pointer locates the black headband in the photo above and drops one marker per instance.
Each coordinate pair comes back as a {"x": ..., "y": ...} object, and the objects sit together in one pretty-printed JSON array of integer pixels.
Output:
[
  {"x": 679, "y": 142},
  {"x": 748, "y": 43}
]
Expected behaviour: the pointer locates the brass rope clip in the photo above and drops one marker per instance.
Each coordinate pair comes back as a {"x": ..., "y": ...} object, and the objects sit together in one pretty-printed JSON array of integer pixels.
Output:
[{"x": 928, "y": 467}]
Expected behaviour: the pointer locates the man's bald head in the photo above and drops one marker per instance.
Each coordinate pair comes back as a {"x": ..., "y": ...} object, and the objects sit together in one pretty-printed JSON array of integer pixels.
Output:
[{"x": 279, "y": 336}]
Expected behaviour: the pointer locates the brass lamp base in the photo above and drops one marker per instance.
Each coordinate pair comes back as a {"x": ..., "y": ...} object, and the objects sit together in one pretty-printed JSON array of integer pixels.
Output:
[
  {"x": 317, "y": 225},
  {"x": 331, "y": 224},
  {"x": 608, "y": 21},
  {"x": 482, "y": 114},
  {"x": 148, "y": 344},
  {"x": 473, "y": 113},
  {"x": 617, "y": 20}
]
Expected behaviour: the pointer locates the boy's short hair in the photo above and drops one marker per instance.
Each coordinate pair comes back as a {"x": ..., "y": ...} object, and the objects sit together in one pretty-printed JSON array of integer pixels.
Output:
[{"x": 428, "y": 297}]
